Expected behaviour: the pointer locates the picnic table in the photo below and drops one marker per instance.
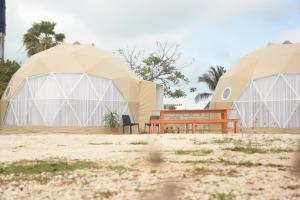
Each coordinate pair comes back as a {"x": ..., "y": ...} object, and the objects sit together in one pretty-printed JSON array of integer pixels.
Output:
[{"x": 223, "y": 120}]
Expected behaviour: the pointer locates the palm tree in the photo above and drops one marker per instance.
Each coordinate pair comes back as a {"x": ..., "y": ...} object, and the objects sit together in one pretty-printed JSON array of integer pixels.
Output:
[
  {"x": 211, "y": 79},
  {"x": 41, "y": 36}
]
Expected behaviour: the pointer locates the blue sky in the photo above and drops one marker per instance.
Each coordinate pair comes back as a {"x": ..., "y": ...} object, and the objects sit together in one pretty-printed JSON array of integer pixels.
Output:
[{"x": 213, "y": 32}]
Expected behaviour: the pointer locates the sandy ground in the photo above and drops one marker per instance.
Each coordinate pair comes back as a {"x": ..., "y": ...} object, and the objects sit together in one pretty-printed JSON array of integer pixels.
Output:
[{"x": 183, "y": 172}]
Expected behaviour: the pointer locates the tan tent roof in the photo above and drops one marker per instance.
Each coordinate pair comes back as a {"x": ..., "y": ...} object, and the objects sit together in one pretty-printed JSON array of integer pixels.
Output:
[
  {"x": 80, "y": 59},
  {"x": 68, "y": 58},
  {"x": 271, "y": 60}
]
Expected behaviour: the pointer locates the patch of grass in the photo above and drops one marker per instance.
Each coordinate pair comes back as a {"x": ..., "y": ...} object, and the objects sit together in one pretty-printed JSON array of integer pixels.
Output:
[
  {"x": 247, "y": 149},
  {"x": 284, "y": 158},
  {"x": 248, "y": 163},
  {"x": 223, "y": 141},
  {"x": 222, "y": 196},
  {"x": 214, "y": 141},
  {"x": 241, "y": 163},
  {"x": 139, "y": 143},
  {"x": 229, "y": 162},
  {"x": 271, "y": 140},
  {"x": 100, "y": 143},
  {"x": 199, "y": 152},
  {"x": 280, "y": 150},
  {"x": 252, "y": 150},
  {"x": 48, "y": 166},
  {"x": 195, "y": 162},
  {"x": 118, "y": 168}
]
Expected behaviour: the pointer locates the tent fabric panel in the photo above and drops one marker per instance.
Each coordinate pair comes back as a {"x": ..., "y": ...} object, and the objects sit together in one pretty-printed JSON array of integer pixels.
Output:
[
  {"x": 277, "y": 108},
  {"x": 43, "y": 100}
]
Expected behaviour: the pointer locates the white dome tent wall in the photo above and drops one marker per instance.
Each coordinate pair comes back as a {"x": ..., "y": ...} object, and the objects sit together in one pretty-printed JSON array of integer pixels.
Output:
[
  {"x": 74, "y": 102},
  {"x": 75, "y": 86},
  {"x": 265, "y": 88}
]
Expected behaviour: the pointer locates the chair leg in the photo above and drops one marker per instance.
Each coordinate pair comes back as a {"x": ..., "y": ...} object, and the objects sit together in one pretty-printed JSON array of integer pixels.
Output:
[
  {"x": 123, "y": 129},
  {"x": 130, "y": 129},
  {"x": 138, "y": 128}
]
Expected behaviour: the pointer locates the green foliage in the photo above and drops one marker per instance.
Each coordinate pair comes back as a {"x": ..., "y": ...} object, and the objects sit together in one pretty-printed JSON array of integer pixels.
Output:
[
  {"x": 7, "y": 69},
  {"x": 169, "y": 107},
  {"x": 193, "y": 89},
  {"x": 41, "y": 36},
  {"x": 40, "y": 166},
  {"x": 211, "y": 79},
  {"x": 112, "y": 119},
  {"x": 160, "y": 66}
]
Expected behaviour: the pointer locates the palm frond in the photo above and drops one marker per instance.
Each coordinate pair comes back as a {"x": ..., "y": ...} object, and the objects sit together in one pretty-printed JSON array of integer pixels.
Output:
[
  {"x": 207, "y": 106},
  {"x": 202, "y": 96}
]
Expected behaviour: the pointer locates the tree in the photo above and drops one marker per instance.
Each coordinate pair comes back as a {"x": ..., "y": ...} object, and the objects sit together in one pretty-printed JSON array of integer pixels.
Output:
[
  {"x": 7, "y": 69},
  {"x": 160, "y": 66},
  {"x": 41, "y": 36},
  {"x": 211, "y": 79},
  {"x": 169, "y": 107}
]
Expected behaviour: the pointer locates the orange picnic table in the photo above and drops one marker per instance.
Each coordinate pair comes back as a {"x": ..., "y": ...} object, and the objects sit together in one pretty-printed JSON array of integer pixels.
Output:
[{"x": 223, "y": 120}]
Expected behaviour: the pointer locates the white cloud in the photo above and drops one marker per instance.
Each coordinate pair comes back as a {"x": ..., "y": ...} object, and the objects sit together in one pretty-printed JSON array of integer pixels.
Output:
[{"x": 112, "y": 23}]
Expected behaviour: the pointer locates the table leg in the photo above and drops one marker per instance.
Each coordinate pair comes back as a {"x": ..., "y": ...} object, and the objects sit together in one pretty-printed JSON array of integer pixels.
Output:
[
  {"x": 193, "y": 128},
  {"x": 161, "y": 127},
  {"x": 224, "y": 124},
  {"x": 151, "y": 131},
  {"x": 235, "y": 127},
  {"x": 187, "y": 128}
]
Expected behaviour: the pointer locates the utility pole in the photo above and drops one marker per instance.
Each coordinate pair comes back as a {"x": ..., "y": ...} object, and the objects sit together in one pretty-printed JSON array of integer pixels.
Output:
[{"x": 2, "y": 28}]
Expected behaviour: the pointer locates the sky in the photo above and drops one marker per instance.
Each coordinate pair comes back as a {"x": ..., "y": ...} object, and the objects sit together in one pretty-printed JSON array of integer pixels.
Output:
[{"x": 210, "y": 32}]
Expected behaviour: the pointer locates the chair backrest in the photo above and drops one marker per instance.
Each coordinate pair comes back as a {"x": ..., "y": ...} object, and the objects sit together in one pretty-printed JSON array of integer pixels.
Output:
[
  {"x": 154, "y": 117},
  {"x": 126, "y": 119}
]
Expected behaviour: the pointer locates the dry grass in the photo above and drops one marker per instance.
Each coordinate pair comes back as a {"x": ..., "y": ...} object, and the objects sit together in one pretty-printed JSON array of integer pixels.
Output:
[
  {"x": 198, "y": 152},
  {"x": 139, "y": 143},
  {"x": 222, "y": 196},
  {"x": 47, "y": 166},
  {"x": 252, "y": 150}
]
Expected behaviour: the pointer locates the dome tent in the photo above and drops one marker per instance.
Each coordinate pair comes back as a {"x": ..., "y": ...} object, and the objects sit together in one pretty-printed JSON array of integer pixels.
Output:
[
  {"x": 75, "y": 85},
  {"x": 263, "y": 88}
]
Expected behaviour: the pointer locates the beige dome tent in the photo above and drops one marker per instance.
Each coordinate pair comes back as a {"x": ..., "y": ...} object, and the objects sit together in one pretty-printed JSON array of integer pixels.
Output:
[
  {"x": 74, "y": 86},
  {"x": 263, "y": 88}
]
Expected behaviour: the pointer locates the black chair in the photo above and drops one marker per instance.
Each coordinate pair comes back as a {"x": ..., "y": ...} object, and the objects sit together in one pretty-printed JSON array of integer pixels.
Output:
[
  {"x": 153, "y": 117},
  {"x": 127, "y": 122}
]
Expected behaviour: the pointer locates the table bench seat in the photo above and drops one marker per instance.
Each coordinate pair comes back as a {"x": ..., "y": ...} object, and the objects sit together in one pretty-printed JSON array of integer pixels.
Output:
[{"x": 193, "y": 122}]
